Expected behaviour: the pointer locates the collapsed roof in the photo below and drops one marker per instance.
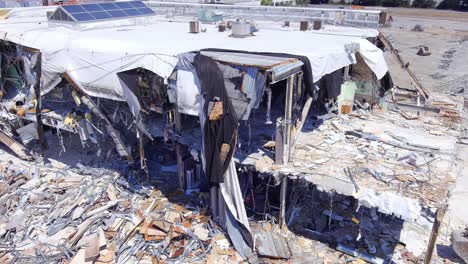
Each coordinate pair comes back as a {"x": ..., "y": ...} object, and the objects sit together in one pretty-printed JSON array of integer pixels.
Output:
[{"x": 103, "y": 58}]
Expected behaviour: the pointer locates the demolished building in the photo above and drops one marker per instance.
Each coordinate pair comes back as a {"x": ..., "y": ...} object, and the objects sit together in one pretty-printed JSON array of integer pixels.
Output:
[{"x": 232, "y": 100}]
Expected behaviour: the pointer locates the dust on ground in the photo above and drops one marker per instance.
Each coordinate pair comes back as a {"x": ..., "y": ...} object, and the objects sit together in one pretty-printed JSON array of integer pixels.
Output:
[{"x": 446, "y": 35}]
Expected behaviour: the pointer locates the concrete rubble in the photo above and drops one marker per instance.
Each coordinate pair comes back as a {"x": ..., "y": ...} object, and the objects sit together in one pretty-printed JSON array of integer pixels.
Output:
[
  {"x": 371, "y": 187},
  {"x": 460, "y": 243}
]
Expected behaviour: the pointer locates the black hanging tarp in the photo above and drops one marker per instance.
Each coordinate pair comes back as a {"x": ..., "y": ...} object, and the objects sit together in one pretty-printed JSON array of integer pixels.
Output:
[
  {"x": 386, "y": 82},
  {"x": 330, "y": 85},
  {"x": 221, "y": 124}
]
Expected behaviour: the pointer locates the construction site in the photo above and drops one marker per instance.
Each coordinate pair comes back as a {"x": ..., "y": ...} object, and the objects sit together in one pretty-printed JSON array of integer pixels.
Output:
[{"x": 190, "y": 132}]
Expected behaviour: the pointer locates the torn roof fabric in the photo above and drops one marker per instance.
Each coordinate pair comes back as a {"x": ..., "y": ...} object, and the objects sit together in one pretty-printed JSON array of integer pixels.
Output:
[{"x": 95, "y": 56}]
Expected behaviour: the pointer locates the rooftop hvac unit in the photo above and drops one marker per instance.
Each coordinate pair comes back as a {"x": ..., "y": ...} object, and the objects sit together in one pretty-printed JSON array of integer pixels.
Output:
[{"x": 241, "y": 29}]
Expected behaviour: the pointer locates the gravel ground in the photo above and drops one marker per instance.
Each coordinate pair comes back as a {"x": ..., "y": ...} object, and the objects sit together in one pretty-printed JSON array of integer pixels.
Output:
[{"x": 446, "y": 69}]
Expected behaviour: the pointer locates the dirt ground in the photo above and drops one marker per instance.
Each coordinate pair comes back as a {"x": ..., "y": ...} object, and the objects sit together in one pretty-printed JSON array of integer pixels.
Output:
[
  {"x": 446, "y": 35},
  {"x": 427, "y": 13}
]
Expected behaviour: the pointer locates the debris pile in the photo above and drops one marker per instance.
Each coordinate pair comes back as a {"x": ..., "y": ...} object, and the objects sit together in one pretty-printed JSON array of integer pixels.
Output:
[
  {"x": 460, "y": 243},
  {"x": 334, "y": 218},
  {"x": 411, "y": 157},
  {"x": 53, "y": 213},
  {"x": 370, "y": 190},
  {"x": 418, "y": 28}
]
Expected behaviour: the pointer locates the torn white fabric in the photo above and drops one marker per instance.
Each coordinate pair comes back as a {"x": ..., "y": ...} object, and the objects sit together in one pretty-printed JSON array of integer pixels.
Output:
[
  {"x": 131, "y": 99},
  {"x": 95, "y": 56},
  {"x": 232, "y": 195},
  {"x": 374, "y": 58},
  {"x": 188, "y": 96}
]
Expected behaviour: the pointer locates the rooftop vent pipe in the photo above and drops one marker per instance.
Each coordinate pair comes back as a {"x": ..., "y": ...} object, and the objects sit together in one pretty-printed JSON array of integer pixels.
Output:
[
  {"x": 194, "y": 26},
  {"x": 317, "y": 24},
  {"x": 304, "y": 25},
  {"x": 222, "y": 27}
]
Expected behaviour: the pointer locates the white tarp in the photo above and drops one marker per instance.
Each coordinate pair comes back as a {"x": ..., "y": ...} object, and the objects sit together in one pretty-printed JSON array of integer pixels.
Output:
[
  {"x": 95, "y": 56},
  {"x": 188, "y": 95}
]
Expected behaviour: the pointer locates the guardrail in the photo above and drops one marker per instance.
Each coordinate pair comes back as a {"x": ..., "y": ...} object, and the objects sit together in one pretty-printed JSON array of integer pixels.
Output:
[{"x": 345, "y": 17}]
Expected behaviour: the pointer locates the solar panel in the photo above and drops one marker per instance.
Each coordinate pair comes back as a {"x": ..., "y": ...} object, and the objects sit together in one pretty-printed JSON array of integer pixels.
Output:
[
  {"x": 92, "y": 7},
  {"x": 132, "y": 12},
  {"x": 137, "y": 4},
  {"x": 102, "y": 11},
  {"x": 117, "y": 13},
  {"x": 72, "y": 9},
  {"x": 124, "y": 5},
  {"x": 108, "y": 6},
  {"x": 100, "y": 15},
  {"x": 146, "y": 11}
]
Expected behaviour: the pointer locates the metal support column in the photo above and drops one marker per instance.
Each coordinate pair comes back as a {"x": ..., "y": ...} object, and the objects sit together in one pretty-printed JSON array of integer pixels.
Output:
[
  {"x": 286, "y": 144},
  {"x": 268, "y": 113},
  {"x": 279, "y": 146},
  {"x": 180, "y": 167},
  {"x": 177, "y": 119},
  {"x": 37, "y": 92},
  {"x": 284, "y": 188},
  {"x": 287, "y": 118}
]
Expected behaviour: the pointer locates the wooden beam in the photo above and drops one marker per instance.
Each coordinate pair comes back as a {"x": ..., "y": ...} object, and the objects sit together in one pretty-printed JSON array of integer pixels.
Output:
[
  {"x": 434, "y": 233},
  {"x": 15, "y": 146}
]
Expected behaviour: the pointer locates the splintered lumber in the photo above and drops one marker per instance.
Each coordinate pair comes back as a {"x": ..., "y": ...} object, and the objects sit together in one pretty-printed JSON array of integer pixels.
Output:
[
  {"x": 16, "y": 147},
  {"x": 435, "y": 232}
]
